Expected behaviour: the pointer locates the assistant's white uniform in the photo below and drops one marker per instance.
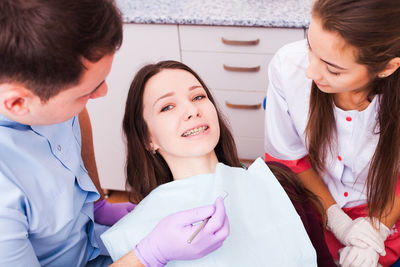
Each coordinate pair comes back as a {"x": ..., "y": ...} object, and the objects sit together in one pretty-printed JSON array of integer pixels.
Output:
[
  {"x": 287, "y": 109},
  {"x": 347, "y": 167}
]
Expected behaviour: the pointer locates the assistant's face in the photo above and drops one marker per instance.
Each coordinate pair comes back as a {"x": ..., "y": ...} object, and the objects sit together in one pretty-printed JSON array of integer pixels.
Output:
[{"x": 333, "y": 65}]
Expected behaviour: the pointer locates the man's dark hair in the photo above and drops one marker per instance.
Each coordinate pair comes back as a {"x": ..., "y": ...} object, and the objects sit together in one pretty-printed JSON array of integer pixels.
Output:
[{"x": 43, "y": 42}]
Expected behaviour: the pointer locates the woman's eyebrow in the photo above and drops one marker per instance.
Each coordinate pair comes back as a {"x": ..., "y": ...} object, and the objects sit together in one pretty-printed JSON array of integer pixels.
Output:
[
  {"x": 194, "y": 87},
  {"x": 333, "y": 65},
  {"x": 173, "y": 93},
  {"x": 164, "y": 96}
]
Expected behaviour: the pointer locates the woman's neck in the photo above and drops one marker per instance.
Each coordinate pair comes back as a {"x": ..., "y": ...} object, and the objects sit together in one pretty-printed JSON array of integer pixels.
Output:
[
  {"x": 185, "y": 167},
  {"x": 352, "y": 100}
]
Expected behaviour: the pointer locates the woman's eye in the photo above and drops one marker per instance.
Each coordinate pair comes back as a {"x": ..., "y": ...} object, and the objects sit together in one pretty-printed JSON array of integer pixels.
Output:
[
  {"x": 334, "y": 73},
  {"x": 166, "y": 108},
  {"x": 199, "y": 97}
]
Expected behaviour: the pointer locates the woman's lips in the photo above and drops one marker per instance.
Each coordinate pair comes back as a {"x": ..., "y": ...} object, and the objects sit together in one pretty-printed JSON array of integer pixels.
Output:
[
  {"x": 195, "y": 131},
  {"x": 318, "y": 84}
]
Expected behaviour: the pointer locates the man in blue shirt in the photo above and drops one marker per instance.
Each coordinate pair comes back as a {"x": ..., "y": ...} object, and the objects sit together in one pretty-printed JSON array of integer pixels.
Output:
[{"x": 54, "y": 57}]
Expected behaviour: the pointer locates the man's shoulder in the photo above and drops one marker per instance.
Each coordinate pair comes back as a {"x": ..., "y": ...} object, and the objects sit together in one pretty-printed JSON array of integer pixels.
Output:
[{"x": 26, "y": 143}]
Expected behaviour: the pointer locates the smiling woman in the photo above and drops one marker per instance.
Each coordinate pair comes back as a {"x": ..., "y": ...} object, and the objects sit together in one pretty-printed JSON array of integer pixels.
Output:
[
  {"x": 167, "y": 103},
  {"x": 181, "y": 154},
  {"x": 182, "y": 121}
]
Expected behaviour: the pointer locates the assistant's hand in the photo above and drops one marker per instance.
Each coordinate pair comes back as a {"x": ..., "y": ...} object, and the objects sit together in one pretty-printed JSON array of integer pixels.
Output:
[
  {"x": 168, "y": 240},
  {"x": 109, "y": 213},
  {"x": 365, "y": 231},
  {"x": 352, "y": 256},
  {"x": 339, "y": 223},
  {"x": 359, "y": 232}
]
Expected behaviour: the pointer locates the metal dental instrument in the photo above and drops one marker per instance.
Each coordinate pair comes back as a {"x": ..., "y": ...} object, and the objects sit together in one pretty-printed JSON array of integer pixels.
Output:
[
  {"x": 201, "y": 226},
  {"x": 198, "y": 230}
]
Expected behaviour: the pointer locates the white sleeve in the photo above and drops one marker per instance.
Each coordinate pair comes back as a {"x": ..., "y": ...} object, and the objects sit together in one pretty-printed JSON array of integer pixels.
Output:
[{"x": 282, "y": 140}]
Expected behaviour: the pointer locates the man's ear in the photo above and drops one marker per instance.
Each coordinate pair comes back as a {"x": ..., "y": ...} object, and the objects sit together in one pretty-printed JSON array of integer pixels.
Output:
[
  {"x": 390, "y": 68},
  {"x": 14, "y": 100}
]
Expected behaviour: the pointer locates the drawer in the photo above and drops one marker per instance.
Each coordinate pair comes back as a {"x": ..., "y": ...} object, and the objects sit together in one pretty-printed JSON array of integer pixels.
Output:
[
  {"x": 219, "y": 70},
  {"x": 243, "y": 111},
  {"x": 236, "y": 39},
  {"x": 249, "y": 148}
]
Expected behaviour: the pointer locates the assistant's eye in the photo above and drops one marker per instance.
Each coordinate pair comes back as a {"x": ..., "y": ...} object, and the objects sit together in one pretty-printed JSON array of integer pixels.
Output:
[
  {"x": 199, "y": 97},
  {"x": 333, "y": 72},
  {"x": 166, "y": 108}
]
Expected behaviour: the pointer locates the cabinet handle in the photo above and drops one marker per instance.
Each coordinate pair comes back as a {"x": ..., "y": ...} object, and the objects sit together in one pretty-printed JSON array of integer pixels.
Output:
[
  {"x": 236, "y": 42},
  {"x": 242, "y": 69},
  {"x": 238, "y": 106}
]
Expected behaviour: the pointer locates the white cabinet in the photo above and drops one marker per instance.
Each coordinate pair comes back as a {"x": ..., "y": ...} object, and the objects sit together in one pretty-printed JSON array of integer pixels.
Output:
[
  {"x": 233, "y": 62},
  {"x": 142, "y": 44}
]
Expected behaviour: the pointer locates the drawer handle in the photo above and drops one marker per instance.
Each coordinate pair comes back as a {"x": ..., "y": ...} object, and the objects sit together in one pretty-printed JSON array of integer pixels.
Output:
[
  {"x": 242, "y": 69},
  {"x": 238, "y": 106},
  {"x": 236, "y": 42}
]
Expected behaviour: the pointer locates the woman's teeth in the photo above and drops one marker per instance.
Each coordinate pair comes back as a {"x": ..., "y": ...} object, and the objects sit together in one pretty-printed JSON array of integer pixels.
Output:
[{"x": 195, "y": 131}]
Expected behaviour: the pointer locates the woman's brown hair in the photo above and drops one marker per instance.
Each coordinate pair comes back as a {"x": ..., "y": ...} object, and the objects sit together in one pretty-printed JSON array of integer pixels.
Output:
[
  {"x": 373, "y": 28},
  {"x": 144, "y": 169}
]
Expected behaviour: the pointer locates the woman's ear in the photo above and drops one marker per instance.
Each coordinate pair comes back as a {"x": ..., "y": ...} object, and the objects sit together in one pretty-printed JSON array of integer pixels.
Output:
[
  {"x": 14, "y": 100},
  {"x": 390, "y": 68},
  {"x": 152, "y": 148}
]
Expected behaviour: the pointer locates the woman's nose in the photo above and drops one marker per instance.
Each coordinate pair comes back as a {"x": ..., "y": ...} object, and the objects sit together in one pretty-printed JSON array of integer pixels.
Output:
[
  {"x": 191, "y": 112},
  {"x": 313, "y": 71}
]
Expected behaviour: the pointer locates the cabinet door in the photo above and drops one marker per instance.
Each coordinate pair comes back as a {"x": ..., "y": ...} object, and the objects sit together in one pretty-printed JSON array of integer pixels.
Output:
[
  {"x": 245, "y": 115},
  {"x": 142, "y": 44}
]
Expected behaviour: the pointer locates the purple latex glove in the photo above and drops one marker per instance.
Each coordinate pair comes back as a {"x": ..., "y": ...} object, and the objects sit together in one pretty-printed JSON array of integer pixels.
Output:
[
  {"x": 169, "y": 239},
  {"x": 109, "y": 213}
]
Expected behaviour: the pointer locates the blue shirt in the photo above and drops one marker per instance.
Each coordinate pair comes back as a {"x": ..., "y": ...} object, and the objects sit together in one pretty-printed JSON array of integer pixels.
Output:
[{"x": 46, "y": 196}]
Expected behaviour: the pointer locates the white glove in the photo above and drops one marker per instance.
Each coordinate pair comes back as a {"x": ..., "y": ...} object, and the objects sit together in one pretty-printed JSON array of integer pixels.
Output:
[
  {"x": 352, "y": 256},
  {"x": 365, "y": 231},
  {"x": 338, "y": 223},
  {"x": 359, "y": 232}
]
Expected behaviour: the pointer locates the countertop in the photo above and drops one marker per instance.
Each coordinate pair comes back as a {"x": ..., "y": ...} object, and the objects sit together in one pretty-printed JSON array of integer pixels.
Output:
[{"x": 258, "y": 13}]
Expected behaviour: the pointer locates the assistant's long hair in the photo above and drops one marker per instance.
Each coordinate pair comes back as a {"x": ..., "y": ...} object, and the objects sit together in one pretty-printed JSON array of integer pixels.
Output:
[
  {"x": 373, "y": 28},
  {"x": 145, "y": 170}
]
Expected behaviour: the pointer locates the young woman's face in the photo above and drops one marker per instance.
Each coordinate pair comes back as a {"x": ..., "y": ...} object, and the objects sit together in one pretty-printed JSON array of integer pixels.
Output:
[
  {"x": 181, "y": 120},
  {"x": 333, "y": 65}
]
